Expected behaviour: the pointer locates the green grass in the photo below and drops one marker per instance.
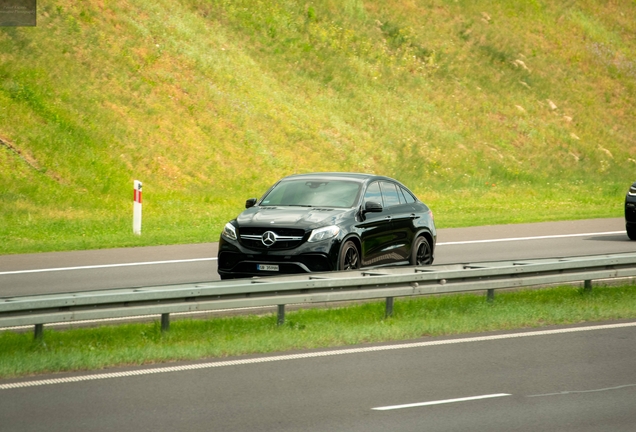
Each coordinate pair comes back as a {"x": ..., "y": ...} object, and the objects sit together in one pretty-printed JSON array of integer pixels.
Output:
[
  {"x": 491, "y": 111},
  {"x": 190, "y": 339}
]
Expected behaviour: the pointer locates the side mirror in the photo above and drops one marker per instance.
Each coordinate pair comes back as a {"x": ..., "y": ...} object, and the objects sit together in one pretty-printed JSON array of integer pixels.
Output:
[
  {"x": 250, "y": 202},
  {"x": 372, "y": 207}
]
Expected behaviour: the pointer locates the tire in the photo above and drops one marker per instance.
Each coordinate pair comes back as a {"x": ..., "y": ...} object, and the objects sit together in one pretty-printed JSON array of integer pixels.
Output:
[
  {"x": 421, "y": 253},
  {"x": 631, "y": 232},
  {"x": 349, "y": 258}
]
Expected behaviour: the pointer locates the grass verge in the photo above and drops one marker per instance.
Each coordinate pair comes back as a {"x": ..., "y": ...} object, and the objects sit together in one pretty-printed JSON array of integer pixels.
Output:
[
  {"x": 491, "y": 112},
  {"x": 190, "y": 339}
]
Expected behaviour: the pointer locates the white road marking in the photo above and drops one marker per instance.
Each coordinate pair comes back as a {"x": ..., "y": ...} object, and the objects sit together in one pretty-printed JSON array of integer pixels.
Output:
[
  {"x": 101, "y": 266},
  {"x": 307, "y": 355},
  {"x": 107, "y": 266},
  {"x": 530, "y": 238},
  {"x": 584, "y": 391},
  {"x": 440, "y": 402}
]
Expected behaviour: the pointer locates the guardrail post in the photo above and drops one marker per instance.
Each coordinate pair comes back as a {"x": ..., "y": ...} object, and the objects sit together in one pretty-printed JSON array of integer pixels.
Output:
[
  {"x": 165, "y": 322},
  {"x": 587, "y": 286},
  {"x": 490, "y": 296},
  {"x": 389, "y": 307},
  {"x": 281, "y": 315},
  {"x": 39, "y": 331}
]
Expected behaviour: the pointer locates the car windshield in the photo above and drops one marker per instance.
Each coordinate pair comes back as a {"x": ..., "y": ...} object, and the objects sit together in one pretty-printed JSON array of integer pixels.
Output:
[{"x": 313, "y": 193}]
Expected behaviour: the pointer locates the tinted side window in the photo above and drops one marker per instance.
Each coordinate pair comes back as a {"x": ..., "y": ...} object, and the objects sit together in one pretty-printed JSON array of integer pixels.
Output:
[
  {"x": 373, "y": 193},
  {"x": 390, "y": 194},
  {"x": 409, "y": 199}
]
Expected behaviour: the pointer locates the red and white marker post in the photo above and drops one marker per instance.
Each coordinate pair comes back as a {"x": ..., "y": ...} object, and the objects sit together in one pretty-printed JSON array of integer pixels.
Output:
[{"x": 137, "y": 208}]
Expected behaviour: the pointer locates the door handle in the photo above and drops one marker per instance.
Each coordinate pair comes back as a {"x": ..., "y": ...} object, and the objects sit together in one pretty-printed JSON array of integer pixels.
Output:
[{"x": 387, "y": 218}]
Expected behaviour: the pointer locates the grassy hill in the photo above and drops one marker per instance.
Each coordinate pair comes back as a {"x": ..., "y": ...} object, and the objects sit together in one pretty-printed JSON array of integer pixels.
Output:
[{"x": 491, "y": 111}]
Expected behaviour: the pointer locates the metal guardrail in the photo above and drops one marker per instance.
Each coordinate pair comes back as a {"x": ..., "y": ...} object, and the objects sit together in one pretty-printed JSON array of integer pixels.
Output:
[{"x": 309, "y": 288}]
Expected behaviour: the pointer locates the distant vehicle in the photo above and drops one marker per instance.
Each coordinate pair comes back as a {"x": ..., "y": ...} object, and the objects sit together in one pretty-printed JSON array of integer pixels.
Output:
[
  {"x": 630, "y": 212},
  {"x": 325, "y": 222}
]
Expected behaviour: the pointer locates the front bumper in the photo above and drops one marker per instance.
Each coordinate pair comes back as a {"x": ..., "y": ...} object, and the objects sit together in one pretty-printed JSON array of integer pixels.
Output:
[{"x": 234, "y": 260}]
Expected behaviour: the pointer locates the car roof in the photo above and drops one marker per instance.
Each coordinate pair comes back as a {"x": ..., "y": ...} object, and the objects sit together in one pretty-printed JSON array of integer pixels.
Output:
[{"x": 361, "y": 177}]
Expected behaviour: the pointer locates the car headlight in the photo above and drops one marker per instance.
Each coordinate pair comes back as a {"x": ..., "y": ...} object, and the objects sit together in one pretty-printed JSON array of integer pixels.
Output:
[
  {"x": 632, "y": 190},
  {"x": 229, "y": 232},
  {"x": 324, "y": 233}
]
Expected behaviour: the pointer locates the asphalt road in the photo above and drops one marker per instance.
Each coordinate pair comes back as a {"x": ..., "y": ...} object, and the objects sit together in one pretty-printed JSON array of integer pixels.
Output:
[
  {"x": 560, "y": 379},
  {"x": 163, "y": 265},
  {"x": 528, "y": 381}
]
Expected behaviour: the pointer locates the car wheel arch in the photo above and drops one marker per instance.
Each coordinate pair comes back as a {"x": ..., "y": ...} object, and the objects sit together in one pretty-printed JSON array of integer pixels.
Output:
[
  {"x": 428, "y": 236},
  {"x": 357, "y": 243}
]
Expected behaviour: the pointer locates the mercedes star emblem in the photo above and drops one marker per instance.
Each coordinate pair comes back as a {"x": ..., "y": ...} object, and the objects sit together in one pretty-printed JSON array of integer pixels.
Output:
[{"x": 268, "y": 238}]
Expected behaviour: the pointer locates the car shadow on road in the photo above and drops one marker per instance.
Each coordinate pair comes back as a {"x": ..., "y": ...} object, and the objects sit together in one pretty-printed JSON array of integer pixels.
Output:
[{"x": 612, "y": 238}]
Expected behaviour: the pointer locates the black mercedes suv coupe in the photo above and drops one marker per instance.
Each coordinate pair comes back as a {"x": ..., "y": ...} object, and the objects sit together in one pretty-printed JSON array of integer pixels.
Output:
[
  {"x": 325, "y": 222},
  {"x": 630, "y": 212}
]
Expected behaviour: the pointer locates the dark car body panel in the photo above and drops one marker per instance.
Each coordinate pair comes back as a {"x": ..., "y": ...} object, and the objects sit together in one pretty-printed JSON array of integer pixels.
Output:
[
  {"x": 630, "y": 212},
  {"x": 289, "y": 217},
  {"x": 383, "y": 238}
]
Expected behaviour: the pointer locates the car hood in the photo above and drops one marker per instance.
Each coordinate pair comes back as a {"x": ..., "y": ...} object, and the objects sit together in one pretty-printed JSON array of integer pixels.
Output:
[{"x": 290, "y": 217}]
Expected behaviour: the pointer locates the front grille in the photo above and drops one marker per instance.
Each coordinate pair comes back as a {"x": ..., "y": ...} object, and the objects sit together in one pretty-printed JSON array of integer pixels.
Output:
[{"x": 284, "y": 238}]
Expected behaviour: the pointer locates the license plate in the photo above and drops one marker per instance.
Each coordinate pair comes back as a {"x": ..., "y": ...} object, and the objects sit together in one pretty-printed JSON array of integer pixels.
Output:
[{"x": 267, "y": 267}]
